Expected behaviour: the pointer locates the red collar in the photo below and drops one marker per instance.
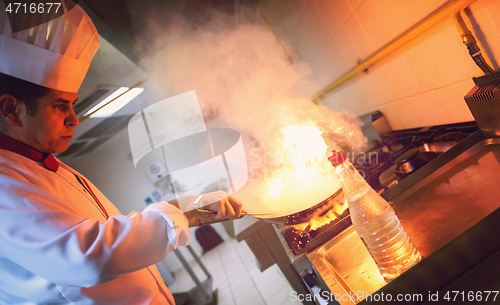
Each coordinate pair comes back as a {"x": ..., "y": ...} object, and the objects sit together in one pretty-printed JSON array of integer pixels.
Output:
[{"x": 27, "y": 151}]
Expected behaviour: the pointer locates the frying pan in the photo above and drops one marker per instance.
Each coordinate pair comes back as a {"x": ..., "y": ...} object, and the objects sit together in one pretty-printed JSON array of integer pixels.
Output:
[{"x": 303, "y": 216}]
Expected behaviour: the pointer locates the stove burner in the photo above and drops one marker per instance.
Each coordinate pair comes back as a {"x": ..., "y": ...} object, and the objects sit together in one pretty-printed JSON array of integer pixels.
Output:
[
  {"x": 301, "y": 240},
  {"x": 411, "y": 161}
]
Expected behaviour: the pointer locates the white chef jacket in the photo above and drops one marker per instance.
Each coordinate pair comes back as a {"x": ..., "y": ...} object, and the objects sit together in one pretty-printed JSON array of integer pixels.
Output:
[{"x": 57, "y": 247}]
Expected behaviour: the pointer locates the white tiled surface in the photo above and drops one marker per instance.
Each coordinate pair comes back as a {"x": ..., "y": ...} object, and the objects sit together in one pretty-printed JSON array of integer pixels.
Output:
[
  {"x": 420, "y": 84},
  {"x": 288, "y": 12},
  {"x": 341, "y": 9},
  {"x": 311, "y": 34},
  {"x": 237, "y": 277},
  {"x": 416, "y": 10},
  {"x": 374, "y": 25},
  {"x": 359, "y": 37}
]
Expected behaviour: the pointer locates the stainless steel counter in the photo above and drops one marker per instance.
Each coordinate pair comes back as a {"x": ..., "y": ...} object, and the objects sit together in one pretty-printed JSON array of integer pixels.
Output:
[{"x": 446, "y": 212}]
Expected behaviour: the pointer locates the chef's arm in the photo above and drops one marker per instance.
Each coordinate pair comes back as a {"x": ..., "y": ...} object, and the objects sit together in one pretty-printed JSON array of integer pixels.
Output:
[
  {"x": 192, "y": 216},
  {"x": 52, "y": 240},
  {"x": 217, "y": 206}
]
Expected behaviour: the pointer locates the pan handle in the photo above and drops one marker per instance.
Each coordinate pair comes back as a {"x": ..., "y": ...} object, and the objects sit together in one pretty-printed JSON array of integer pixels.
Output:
[
  {"x": 243, "y": 214},
  {"x": 216, "y": 221}
]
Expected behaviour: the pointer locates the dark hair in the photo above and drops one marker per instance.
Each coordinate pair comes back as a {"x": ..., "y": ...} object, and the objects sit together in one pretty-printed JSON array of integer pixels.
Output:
[{"x": 26, "y": 92}]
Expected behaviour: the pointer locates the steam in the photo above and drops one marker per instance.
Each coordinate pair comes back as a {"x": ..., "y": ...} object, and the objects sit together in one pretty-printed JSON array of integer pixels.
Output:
[{"x": 243, "y": 81}]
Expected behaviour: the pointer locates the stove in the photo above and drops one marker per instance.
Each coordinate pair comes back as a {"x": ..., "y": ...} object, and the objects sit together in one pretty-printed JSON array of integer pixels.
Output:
[
  {"x": 390, "y": 160},
  {"x": 401, "y": 153},
  {"x": 415, "y": 170}
]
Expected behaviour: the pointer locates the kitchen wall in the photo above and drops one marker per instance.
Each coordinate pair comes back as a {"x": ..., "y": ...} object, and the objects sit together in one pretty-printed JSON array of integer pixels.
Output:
[{"x": 421, "y": 84}]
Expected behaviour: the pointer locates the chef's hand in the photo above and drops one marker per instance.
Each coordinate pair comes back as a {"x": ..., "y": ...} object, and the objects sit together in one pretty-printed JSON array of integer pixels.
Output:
[{"x": 214, "y": 207}]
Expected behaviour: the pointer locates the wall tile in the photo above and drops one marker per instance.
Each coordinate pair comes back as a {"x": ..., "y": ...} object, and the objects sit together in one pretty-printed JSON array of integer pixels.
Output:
[
  {"x": 424, "y": 114},
  {"x": 493, "y": 8},
  {"x": 423, "y": 68},
  {"x": 393, "y": 15},
  {"x": 325, "y": 66},
  {"x": 362, "y": 95},
  {"x": 327, "y": 13},
  {"x": 311, "y": 34},
  {"x": 388, "y": 112},
  {"x": 373, "y": 25},
  {"x": 409, "y": 112},
  {"x": 443, "y": 105},
  {"x": 382, "y": 87},
  {"x": 348, "y": 48},
  {"x": 354, "y": 4},
  {"x": 421, "y": 84},
  {"x": 416, "y": 10},
  {"x": 329, "y": 100},
  {"x": 414, "y": 112},
  {"x": 334, "y": 57},
  {"x": 341, "y": 8},
  {"x": 269, "y": 6},
  {"x": 336, "y": 99},
  {"x": 458, "y": 91},
  {"x": 286, "y": 14},
  {"x": 404, "y": 113},
  {"x": 401, "y": 75},
  {"x": 350, "y": 97},
  {"x": 330, "y": 63},
  {"x": 359, "y": 36},
  {"x": 366, "y": 91},
  {"x": 451, "y": 60}
]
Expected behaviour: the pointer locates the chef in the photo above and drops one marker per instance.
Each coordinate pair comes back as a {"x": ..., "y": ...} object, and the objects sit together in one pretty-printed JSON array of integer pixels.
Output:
[{"x": 61, "y": 240}]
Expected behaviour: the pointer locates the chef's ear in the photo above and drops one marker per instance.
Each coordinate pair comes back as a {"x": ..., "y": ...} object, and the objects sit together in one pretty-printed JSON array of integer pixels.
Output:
[{"x": 10, "y": 108}]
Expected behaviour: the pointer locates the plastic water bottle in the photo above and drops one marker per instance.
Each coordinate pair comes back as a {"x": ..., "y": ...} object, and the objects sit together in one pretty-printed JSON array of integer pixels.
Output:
[{"x": 375, "y": 221}]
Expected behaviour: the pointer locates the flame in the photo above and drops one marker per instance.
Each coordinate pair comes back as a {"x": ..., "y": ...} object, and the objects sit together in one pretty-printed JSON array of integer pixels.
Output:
[
  {"x": 338, "y": 208},
  {"x": 323, "y": 220},
  {"x": 306, "y": 151}
]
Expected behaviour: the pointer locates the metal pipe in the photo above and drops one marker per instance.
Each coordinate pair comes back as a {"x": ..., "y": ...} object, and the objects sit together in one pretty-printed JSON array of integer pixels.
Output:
[
  {"x": 198, "y": 260},
  {"x": 271, "y": 28},
  {"x": 207, "y": 296},
  {"x": 441, "y": 13},
  {"x": 471, "y": 44}
]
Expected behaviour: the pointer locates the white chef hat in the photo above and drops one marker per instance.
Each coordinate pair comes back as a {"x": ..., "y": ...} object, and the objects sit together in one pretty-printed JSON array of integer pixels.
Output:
[{"x": 56, "y": 54}]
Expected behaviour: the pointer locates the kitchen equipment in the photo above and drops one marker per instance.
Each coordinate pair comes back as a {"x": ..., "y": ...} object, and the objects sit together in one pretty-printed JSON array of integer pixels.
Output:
[
  {"x": 379, "y": 170},
  {"x": 448, "y": 206},
  {"x": 484, "y": 103},
  {"x": 412, "y": 160},
  {"x": 292, "y": 207},
  {"x": 452, "y": 217},
  {"x": 304, "y": 216},
  {"x": 201, "y": 294}
]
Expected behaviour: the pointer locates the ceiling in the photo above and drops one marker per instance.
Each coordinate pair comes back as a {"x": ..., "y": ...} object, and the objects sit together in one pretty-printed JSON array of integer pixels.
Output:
[{"x": 120, "y": 24}]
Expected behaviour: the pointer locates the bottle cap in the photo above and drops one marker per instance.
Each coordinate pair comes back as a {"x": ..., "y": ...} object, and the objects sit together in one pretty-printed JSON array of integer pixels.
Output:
[{"x": 337, "y": 157}]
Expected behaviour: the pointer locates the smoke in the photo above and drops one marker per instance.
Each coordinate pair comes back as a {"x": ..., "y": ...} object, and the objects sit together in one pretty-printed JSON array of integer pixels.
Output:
[{"x": 243, "y": 81}]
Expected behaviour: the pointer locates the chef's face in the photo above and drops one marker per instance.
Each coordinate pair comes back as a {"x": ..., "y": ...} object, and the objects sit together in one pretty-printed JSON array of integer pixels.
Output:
[{"x": 51, "y": 128}]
